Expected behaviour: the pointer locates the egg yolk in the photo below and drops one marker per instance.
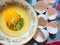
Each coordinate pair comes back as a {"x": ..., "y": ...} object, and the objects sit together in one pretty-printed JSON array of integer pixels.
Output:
[{"x": 11, "y": 16}]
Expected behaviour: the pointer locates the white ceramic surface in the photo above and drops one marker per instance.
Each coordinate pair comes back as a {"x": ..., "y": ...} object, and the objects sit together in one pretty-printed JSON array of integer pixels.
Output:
[{"x": 6, "y": 40}]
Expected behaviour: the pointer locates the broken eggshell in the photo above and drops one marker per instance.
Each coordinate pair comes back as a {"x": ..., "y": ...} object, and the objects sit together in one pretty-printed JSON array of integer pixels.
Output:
[
  {"x": 40, "y": 7},
  {"x": 51, "y": 13},
  {"x": 41, "y": 35},
  {"x": 53, "y": 27},
  {"x": 42, "y": 21}
]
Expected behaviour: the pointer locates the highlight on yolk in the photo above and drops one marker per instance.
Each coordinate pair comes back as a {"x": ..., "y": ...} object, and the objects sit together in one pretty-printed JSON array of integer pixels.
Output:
[{"x": 11, "y": 16}]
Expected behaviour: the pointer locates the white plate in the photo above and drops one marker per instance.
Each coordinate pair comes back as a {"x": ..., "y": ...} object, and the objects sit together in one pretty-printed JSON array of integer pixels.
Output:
[{"x": 6, "y": 40}]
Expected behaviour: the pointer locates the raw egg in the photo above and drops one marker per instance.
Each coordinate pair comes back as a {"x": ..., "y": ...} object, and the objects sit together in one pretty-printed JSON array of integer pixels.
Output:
[{"x": 11, "y": 16}]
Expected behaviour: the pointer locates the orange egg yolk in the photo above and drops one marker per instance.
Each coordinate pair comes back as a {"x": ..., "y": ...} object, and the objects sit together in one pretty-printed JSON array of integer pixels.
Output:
[{"x": 11, "y": 17}]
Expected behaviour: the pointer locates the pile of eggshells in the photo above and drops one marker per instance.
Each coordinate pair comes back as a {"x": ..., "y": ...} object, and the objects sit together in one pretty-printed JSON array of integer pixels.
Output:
[{"x": 46, "y": 21}]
